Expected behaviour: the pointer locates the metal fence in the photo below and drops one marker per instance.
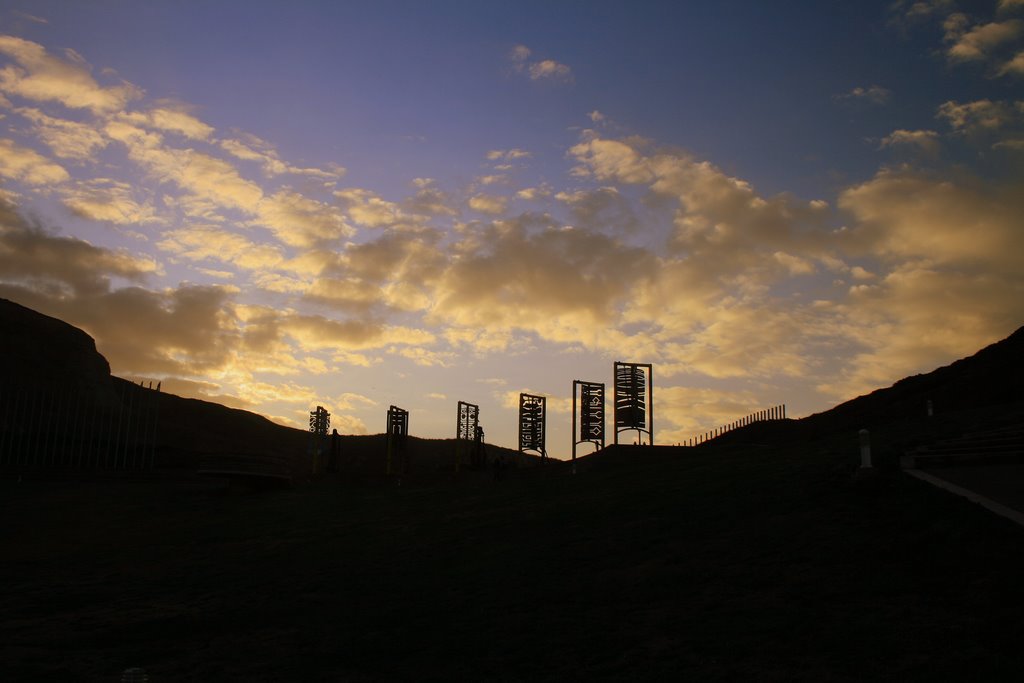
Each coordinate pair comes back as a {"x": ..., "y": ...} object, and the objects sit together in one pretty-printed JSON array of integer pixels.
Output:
[
  {"x": 46, "y": 428},
  {"x": 774, "y": 413}
]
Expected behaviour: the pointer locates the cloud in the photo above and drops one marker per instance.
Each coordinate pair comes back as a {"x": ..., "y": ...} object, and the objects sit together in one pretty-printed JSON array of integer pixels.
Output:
[
  {"x": 174, "y": 120},
  {"x": 925, "y": 140},
  {"x": 604, "y": 208},
  {"x": 207, "y": 178},
  {"x": 921, "y": 316},
  {"x": 489, "y": 204},
  {"x": 314, "y": 333},
  {"x": 983, "y": 121},
  {"x": 507, "y": 154},
  {"x": 904, "y": 214},
  {"x": 213, "y": 243},
  {"x": 607, "y": 159},
  {"x": 533, "y": 193},
  {"x": 1014, "y": 66},
  {"x": 913, "y": 11},
  {"x": 33, "y": 257},
  {"x": 394, "y": 271},
  {"x": 551, "y": 70},
  {"x": 28, "y": 166},
  {"x": 30, "y": 17},
  {"x": 67, "y": 139},
  {"x": 519, "y": 54},
  {"x": 300, "y": 221},
  {"x": 42, "y": 77},
  {"x": 252, "y": 148},
  {"x": 545, "y": 69},
  {"x": 367, "y": 208},
  {"x": 979, "y": 42},
  {"x": 980, "y": 115},
  {"x": 429, "y": 200},
  {"x": 110, "y": 201},
  {"x": 531, "y": 274},
  {"x": 716, "y": 213},
  {"x": 873, "y": 95},
  {"x": 693, "y": 411}
]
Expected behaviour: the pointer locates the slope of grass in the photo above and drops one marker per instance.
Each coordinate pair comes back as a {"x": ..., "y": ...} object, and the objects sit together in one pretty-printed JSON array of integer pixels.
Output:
[{"x": 717, "y": 563}]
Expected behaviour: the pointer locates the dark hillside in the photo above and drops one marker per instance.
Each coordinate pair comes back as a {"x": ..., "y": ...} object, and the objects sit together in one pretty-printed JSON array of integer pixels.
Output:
[
  {"x": 755, "y": 556},
  {"x": 51, "y": 368},
  {"x": 746, "y": 563},
  {"x": 40, "y": 350},
  {"x": 993, "y": 376}
]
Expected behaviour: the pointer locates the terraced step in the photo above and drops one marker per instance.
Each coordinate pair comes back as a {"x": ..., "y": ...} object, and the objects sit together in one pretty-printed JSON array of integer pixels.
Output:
[{"x": 999, "y": 446}]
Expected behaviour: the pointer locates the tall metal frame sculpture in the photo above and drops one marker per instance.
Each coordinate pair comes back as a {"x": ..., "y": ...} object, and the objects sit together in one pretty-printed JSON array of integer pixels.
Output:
[
  {"x": 466, "y": 426},
  {"x": 634, "y": 399},
  {"x": 532, "y": 424},
  {"x": 398, "y": 430},
  {"x": 591, "y": 415},
  {"x": 319, "y": 423}
]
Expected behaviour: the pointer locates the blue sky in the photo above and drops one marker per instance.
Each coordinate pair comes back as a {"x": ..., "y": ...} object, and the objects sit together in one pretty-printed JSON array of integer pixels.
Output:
[{"x": 356, "y": 204}]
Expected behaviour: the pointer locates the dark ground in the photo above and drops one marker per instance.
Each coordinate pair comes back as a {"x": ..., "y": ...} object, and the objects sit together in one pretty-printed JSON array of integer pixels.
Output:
[{"x": 741, "y": 562}]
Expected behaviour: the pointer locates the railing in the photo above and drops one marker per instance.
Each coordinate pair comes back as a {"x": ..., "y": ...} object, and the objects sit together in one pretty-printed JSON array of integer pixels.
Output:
[
  {"x": 774, "y": 413},
  {"x": 45, "y": 428}
]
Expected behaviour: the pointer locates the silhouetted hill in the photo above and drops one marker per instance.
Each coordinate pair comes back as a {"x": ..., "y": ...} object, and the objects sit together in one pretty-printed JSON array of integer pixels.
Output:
[
  {"x": 43, "y": 352},
  {"x": 991, "y": 378},
  {"x": 40, "y": 350},
  {"x": 58, "y": 366}
]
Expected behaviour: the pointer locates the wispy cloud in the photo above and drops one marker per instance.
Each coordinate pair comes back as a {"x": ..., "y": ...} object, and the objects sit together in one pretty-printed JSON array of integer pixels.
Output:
[
  {"x": 873, "y": 95},
  {"x": 40, "y": 76},
  {"x": 543, "y": 69}
]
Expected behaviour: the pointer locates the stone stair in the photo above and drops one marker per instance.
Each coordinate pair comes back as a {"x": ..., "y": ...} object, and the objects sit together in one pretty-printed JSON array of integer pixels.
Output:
[{"x": 995, "y": 446}]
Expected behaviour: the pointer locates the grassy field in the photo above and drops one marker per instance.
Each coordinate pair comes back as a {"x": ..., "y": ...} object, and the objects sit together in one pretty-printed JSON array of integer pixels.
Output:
[{"x": 718, "y": 563}]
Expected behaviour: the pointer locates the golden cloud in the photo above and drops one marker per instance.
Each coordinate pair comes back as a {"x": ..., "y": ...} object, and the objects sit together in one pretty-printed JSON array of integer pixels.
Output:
[
  {"x": 171, "y": 120},
  {"x": 41, "y": 76},
  {"x": 67, "y": 139},
  {"x": 213, "y": 243},
  {"x": 111, "y": 201},
  {"x": 300, "y": 221},
  {"x": 27, "y": 165}
]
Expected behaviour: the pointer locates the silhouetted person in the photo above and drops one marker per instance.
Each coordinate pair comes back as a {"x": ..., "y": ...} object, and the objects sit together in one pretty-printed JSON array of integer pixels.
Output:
[{"x": 332, "y": 460}]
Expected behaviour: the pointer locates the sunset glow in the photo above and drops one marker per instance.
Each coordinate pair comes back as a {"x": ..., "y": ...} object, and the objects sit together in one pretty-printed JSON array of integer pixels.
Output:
[{"x": 358, "y": 204}]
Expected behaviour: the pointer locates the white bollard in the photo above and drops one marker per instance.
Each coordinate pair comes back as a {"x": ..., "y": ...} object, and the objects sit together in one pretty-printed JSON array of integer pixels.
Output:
[
  {"x": 931, "y": 409},
  {"x": 865, "y": 449}
]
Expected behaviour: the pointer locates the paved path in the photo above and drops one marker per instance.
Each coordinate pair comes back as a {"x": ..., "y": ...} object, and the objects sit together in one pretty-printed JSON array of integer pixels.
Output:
[{"x": 1000, "y": 488}]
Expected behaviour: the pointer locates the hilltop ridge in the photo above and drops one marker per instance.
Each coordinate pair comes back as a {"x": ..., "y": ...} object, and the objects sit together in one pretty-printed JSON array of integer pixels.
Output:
[{"x": 36, "y": 349}]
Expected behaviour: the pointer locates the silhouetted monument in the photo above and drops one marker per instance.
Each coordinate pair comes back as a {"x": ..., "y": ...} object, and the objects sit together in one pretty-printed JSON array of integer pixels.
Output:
[
  {"x": 591, "y": 415},
  {"x": 634, "y": 400},
  {"x": 532, "y": 419},
  {"x": 467, "y": 424},
  {"x": 319, "y": 423},
  {"x": 398, "y": 430}
]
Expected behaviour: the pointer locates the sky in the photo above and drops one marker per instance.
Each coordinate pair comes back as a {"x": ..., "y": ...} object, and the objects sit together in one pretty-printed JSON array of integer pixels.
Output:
[{"x": 279, "y": 205}]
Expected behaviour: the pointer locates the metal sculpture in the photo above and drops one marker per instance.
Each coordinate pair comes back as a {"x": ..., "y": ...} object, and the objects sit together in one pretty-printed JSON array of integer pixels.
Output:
[
  {"x": 468, "y": 421},
  {"x": 319, "y": 423},
  {"x": 398, "y": 430},
  {"x": 634, "y": 400},
  {"x": 532, "y": 418},
  {"x": 591, "y": 415}
]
